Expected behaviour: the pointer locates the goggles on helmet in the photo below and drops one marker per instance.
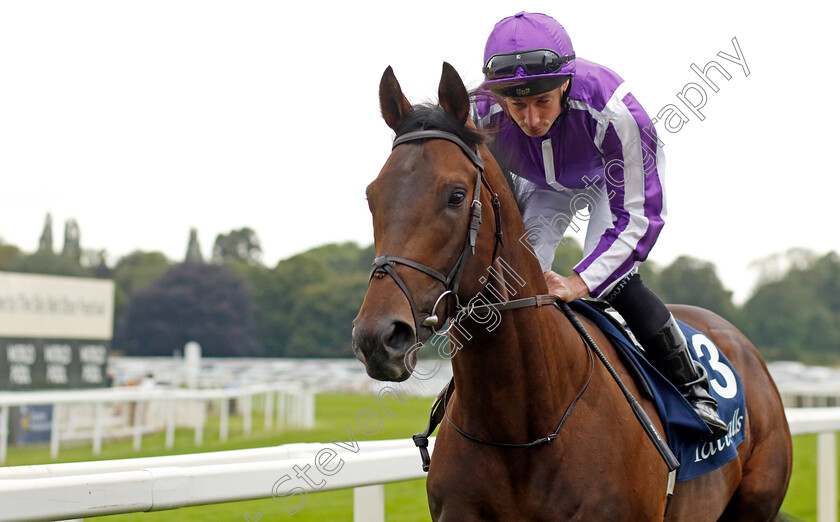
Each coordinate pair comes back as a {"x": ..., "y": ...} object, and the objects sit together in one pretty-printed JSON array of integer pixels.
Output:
[{"x": 534, "y": 61}]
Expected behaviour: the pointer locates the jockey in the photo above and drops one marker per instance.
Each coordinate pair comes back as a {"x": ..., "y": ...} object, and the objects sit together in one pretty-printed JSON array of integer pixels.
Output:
[{"x": 579, "y": 143}]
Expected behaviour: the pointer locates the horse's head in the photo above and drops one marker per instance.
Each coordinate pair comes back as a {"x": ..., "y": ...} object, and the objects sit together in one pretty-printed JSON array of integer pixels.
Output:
[{"x": 426, "y": 205}]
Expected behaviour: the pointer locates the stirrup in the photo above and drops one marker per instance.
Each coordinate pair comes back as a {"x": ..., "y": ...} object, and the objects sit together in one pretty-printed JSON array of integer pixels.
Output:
[
  {"x": 668, "y": 351},
  {"x": 697, "y": 394}
]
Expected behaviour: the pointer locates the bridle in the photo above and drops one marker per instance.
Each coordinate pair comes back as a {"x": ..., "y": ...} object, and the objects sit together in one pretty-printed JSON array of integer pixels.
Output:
[{"x": 385, "y": 263}]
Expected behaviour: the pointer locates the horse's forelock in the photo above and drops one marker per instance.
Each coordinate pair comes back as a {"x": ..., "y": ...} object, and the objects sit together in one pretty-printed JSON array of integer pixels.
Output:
[{"x": 430, "y": 116}]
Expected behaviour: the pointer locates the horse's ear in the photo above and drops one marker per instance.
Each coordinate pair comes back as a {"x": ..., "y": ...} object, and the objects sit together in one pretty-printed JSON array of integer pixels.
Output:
[
  {"x": 392, "y": 101},
  {"x": 453, "y": 95}
]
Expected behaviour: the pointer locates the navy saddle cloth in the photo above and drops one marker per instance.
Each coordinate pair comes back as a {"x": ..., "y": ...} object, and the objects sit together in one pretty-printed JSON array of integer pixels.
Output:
[{"x": 683, "y": 427}]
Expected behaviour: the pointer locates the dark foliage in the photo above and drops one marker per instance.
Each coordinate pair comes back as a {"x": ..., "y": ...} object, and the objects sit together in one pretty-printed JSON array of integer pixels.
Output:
[
  {"x": 241, "y": 245},
  {"x": 306, "y": 303},
  {"x": 797, "y": 316},
  {"x": 693, "y": 281},
  {"x": 47, "y": 262},
  {"x": 303, "y": 307},
  {"x": 208, "y": 304}
]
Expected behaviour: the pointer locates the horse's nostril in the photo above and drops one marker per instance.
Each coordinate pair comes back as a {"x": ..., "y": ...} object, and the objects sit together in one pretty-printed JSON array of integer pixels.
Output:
[{"x": 399, "y": 336}]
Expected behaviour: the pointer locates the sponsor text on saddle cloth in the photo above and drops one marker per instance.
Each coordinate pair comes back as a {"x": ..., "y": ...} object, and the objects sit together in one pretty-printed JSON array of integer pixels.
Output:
[{"x": 683, "y": 427}]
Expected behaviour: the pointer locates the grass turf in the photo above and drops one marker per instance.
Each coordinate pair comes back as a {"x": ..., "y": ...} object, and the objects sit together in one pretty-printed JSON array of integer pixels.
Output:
[{"x": 404, "y": 501}]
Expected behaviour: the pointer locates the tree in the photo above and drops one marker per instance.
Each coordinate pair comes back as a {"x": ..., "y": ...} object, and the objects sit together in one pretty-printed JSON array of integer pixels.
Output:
[
  {"x": 276, "y": 292},
  {"x": 133, "y": 273},
  {"x": 797, "y": 315},
  {"x": 44, "y": 260},
  {"x": 47, "y": 262},
  {"x": 775, "y": 266},
  {"x": 138, "y": 270},
  {"x": 45, "y": 243},
  {"x": 824, "y": 274},
  {"x": 566, "y": 257},
  {"x": 692, "y": 281},
  {"x": 323, "y": 315},
  {"x": 72, "y": 240},
  {"x": 775, "y": 320},
  {"x": 570, "y": 254},
  {"x": 343, "y": 258},
  {"x": 193, "y": 249},
  {"x": 205, "y": 303},
  {"x": 649, "y": 272},
  {"x": 96, "y": 261},
  {"x": 241, "y": 245},
  {"x": 9, "y": 254},
  {"x": 305, "y": 303}
]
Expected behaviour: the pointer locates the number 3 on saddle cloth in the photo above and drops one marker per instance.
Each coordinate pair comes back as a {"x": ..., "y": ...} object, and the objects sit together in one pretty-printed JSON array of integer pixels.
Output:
[{"x": 683, "y": 427}]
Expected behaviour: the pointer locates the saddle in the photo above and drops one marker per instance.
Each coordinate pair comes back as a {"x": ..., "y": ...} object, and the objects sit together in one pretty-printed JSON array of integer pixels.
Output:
[{"x": 683, "y": 427}]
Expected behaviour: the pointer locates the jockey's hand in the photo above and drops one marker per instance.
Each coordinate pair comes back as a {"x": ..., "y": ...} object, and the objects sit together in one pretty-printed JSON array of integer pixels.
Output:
[{"x": 566, "y": 288}]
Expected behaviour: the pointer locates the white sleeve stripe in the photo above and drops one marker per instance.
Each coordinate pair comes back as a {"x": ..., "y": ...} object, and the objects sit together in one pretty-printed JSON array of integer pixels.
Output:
[
  {"x": 622, "y": 248},
  {"x": 601, "y": 127},
  {"x": 484, "y": 120},
  {"x": 548, "y": 165}
]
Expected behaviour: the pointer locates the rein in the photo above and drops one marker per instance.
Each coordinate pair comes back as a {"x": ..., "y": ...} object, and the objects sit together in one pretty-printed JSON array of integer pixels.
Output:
[
  {"x": 543, "y": 440},
  {"x": 438, "y": 413},
  {"x": 385, "y": 263}
]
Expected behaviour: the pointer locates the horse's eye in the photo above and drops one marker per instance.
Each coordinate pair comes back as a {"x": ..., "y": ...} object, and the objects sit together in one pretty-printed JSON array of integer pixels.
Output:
[{"x": 456, "y": 199}]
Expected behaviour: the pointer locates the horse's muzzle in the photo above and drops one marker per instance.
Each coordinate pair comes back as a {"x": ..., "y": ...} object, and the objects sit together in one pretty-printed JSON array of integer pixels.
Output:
[{"x": 384, "y": 348}]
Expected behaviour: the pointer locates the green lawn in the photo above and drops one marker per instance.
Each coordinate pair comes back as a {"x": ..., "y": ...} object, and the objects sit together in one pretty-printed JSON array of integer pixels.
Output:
[
  {"x": 801, "y": 500},
  {"x": 405, "y": 501}
]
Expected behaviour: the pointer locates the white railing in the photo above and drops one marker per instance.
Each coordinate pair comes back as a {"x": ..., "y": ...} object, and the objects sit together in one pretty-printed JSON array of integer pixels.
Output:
[
  {"x": 85, "y": 489},
  {"x": 817, "y": 395},
  {"x": 825, "y": 422},
  {"x": 294, "y": 407}
]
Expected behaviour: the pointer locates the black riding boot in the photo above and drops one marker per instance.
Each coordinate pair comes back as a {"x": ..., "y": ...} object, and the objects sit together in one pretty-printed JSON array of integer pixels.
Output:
[
  {"x": 665, "y": 346},
  {"x": 667, "y": 350}
]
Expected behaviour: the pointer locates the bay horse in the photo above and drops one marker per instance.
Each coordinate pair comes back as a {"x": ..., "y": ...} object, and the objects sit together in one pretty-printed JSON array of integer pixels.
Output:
[{"x": 518, "y": 375}]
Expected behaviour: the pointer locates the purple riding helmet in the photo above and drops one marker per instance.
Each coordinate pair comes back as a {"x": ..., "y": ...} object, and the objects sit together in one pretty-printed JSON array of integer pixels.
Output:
[{"x": 527, "y": 54}]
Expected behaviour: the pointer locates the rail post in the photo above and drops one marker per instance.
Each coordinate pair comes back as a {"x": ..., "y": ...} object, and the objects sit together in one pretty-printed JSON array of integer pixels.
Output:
[
  {"x": 369, "y": 503},
  {"x": 826, "y": 477}
]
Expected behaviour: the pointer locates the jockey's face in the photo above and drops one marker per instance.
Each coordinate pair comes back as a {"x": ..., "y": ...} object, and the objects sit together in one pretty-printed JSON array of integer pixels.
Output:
[{"x": 536, "y": 114}]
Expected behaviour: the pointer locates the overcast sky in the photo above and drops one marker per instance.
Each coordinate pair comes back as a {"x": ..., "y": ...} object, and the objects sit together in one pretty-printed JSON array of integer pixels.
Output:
[{"x": 143, "y": 119}]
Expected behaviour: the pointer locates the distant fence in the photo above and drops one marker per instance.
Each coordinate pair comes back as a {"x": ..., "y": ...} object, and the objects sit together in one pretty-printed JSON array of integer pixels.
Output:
[
  {"x": 154, "y": 409},
  {"x": 61, "y": 491},
  {"x": 817, "y": 395}
]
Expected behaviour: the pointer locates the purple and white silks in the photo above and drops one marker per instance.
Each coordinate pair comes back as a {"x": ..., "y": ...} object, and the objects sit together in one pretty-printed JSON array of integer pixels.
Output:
[{"x": 602, "y": 153}]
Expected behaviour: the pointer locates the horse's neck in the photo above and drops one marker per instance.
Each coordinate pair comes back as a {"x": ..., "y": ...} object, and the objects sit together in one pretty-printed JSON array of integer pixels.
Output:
[
  {"x": 516, "y": 374},
  {"x": 515, "y": 371}
]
